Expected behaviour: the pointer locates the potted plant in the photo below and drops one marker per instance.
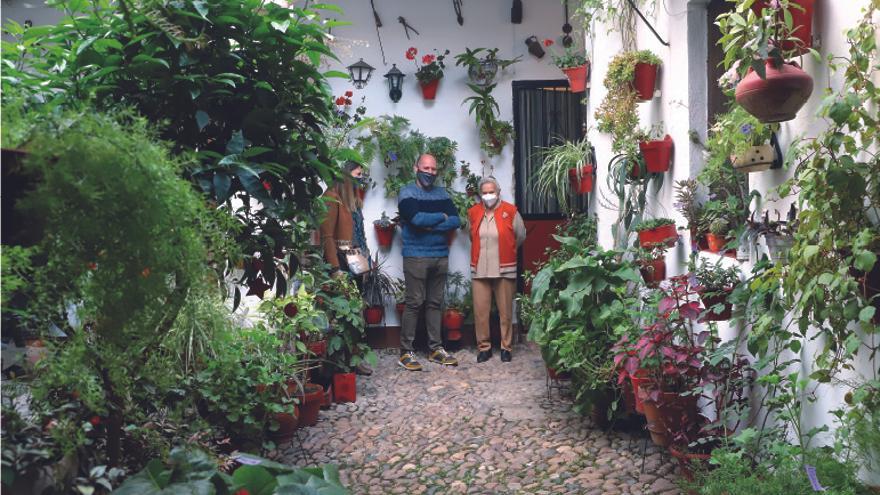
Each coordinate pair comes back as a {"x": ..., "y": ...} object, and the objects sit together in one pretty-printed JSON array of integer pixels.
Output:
[
  {"x": 567, "y": 167},
  {"x": 429, "y": 72},
  {"x": 801, "y": 12},
  {"x": 482, "y": 69},
  {"x": 399, "y": 297},
  {"x": 657, "y": 231},
  {"x": 456, "y": 305},
  {"x": 378, "y": 288},
  {"x": 494, "y": 133},
  {"x": 714, "y": 283},
  {"x": 573, "y": 62},
  {"x": 690, "y": 207},
  {"x": 718, "y": 235},
  {"x": 758, "y": 45},
  {"x": 385, "y": 227},
  {"x": 652, "y": 264},
  {"x": 656, "y": 149}
]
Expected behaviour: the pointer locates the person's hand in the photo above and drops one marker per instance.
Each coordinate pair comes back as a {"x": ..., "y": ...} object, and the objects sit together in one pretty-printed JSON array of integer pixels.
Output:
[{"x": 445, "y": 217}]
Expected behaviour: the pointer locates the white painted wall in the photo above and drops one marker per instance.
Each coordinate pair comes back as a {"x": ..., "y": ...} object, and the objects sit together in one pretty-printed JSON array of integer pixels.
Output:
[
  {"x": 678, "y": 106},
  {"x": 486, "y": 24}
]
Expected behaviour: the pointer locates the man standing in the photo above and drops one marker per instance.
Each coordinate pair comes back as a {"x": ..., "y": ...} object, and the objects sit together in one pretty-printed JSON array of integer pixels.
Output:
[{"x": 428, "y": 215}]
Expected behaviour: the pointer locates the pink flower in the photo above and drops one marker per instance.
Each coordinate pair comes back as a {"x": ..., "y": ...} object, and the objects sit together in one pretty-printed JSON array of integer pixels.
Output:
[{"x": 411, "y": 53}]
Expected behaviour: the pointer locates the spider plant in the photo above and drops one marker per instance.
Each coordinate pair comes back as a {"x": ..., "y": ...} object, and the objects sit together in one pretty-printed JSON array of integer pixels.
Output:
[{"x": 552, "y": 178}]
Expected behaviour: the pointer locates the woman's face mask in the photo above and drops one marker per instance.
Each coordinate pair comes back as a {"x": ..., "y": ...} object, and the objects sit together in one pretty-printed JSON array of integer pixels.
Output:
[
  {"x": 362, "y": 182},
  {"x": 490, "y": 199}
]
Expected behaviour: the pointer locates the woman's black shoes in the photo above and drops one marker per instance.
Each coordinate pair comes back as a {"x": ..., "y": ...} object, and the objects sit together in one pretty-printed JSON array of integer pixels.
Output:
[
  {"x": 505, "y": 356},
  {"x": 484, "y": 356}
]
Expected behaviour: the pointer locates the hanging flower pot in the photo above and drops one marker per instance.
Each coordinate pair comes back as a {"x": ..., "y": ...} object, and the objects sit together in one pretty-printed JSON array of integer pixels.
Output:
[
  {"x": 779, "y": 96},
  {"x": 344, "y": 387},
  {"x": 756, "y": 159},
  {"x": 577, "y": 77},
  {"x": 716, "y": 242},
  {"x": 657, "y": 154},
  {"x": 483, "y": 73},
  {"x": 801, "y": 21},
  {"x": 582, "y": 184},
  {"x": 429, "y": 89},
  {"x": 664, "y": 234},
  {"x": 712, "y": 301},
  {"x": 645, "y": 80},
  {"x": 373, "y": 314},
  {"x": 385, "y": 235},
  {"x": 310, "y": 403},
  {"x": 653, "y": 271}
]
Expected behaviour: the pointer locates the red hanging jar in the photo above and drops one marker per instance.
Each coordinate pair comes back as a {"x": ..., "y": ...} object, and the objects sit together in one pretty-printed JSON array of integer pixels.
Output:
[{"x": 779, "y": 96}]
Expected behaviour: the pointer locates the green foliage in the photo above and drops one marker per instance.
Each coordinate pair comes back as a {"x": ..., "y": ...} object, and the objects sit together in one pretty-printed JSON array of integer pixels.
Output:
[
  {"x": 653, "y": 223},
  {"x": 494, "y": 133},
  {"x": 457, "y": 292},
  {"x": 714, "y": 277},
  {"x": 617, "y": 114},
  {"x": 206, "y": 73},
  {"x": 551, "y": 180},
  {"x": 482, "y": 69}
]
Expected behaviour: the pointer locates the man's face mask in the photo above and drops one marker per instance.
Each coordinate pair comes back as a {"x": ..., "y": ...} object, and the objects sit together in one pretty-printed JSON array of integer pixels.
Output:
[{"x": 426, "y": 179}]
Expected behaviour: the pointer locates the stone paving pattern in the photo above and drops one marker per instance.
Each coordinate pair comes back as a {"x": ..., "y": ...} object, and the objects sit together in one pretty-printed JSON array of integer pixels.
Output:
[{"x": 479, "y": 429}]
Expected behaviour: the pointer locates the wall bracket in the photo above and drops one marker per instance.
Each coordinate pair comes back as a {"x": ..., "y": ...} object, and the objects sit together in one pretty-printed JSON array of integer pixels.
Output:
[{"x": 645, "y": 20}]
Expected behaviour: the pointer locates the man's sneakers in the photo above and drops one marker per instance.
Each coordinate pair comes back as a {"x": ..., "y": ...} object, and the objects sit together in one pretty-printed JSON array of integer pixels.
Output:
[
  {"x": 505, "y": 356},
  {"x": 440, "y": 356},
  {"x": 409, "y": 363},
  {"x": 484, "y": 356}
]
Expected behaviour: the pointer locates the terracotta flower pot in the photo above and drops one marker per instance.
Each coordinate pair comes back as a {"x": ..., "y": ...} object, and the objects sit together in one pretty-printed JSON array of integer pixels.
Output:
[
  {"x": 645, "y": 81},
  {"x": 657, "y": 154},
  {"x": 577, "y": 77},
  {"x": 452, "y": 319},
  {"x": 584, "y": 183},
  {"x": 653, "y": 271},
  {"x": 802, "y": 20},
  {"x": 385, "y": 235},
  {"x": 429, "y": 89},
  {"x": 287, "y": 426},
  {"x": 779, "y": 96},
  {"x": 716, "y": 242},
  {"x": 637, "y": 380},
  {"x": 310, "y": 404},
  {"x": 344, "y": 387},
  {"x": 669, "y": 413},
  {"x": 756, "y": 159},
  {"x": 373, "y": 315},
  {"x": 664, "y": 234},
  {"x": 710, "y": 302}
]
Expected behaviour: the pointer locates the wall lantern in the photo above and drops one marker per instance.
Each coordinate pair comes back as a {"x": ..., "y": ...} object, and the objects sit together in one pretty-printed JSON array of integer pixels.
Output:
[
  {"x": 360, "y": 73},
  {"x": 395, "y": 82}
]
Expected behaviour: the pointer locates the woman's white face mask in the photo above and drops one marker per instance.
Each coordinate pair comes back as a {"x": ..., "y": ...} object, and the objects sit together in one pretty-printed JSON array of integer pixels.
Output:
[{"x": 490, "y": 199}]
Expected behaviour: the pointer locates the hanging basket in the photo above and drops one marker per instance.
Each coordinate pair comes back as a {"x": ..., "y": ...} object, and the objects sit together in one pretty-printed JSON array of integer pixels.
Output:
[
  {"x": 657, "y": 154},
  {"x": 645, "y": 80},
  {"x": 429, "y": 89},
  {"x": 779, "y": 96},
  {"x": 802, "y": 22},
  {"x": 582, "y": 184},
  {"x": 577, "y": 77}
]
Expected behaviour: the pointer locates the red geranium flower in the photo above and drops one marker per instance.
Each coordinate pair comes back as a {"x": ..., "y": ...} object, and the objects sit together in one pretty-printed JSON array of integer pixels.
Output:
[
  {"x": 347, "y": 101},
  {"x": 548, "y": 42},
  {"x": 95, "y": 420},
  {"x": 349, "y": 93},
  {"x": 427, "y": 59},
  {"x": 92, "y": 266},
  {"x": 340, "y": 101},
  {"x": 411, "y": 53},
  {"x": 243, "y": 491},
  {"x": 267, "y": 185}
]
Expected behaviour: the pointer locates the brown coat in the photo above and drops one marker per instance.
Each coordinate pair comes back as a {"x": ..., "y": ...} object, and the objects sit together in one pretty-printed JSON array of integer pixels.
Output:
[{"x": 337, "y": 226}]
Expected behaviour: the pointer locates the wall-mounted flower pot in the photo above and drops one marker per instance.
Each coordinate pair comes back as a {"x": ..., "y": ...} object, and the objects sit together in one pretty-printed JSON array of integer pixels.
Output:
[
  {"x": 653, "y": 271},
  {"x": 756, "y": 159},
  {"x": 716, "y": 242},
  {"x": 801, "y": 20},
  {"x": 664, "y": 234},
  {"x": 711, "y": 301},
  {"x": 582, "y": 184},
  {"x": 385, "y": 235},
  {"x": 287, "y": 426},
  {"x": 778, "y": 246},
  {"x": 373, "y": 314},
  {"x": 429, "y": 89},
  {"x": 344, "y": 387},
  {"x": 310, "y": 404},
  {"x": 657, "y": 154},
  {"x": 483, "y": 73},
  {"x": 577, "y": 77},
  {"x": 778, "y": 97},
  {"x": 645, "y": 80}
]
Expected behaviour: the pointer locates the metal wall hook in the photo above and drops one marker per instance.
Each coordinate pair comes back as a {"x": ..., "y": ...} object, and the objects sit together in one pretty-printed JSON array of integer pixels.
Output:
[{"x": 645, "y": 20}]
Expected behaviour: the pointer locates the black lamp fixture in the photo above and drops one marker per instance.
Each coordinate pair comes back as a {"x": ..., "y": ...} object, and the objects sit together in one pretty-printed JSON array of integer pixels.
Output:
[
  {"x": 395, "y": 83},
  {"x": 360, "y": 73}
]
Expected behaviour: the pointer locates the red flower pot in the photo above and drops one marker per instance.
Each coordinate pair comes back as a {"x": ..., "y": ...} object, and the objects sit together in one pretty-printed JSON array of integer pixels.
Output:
[
  {"x": 645, "y": 81},
  {"x": 310, "y": 404},
  {"x": 429, "y": 89},
  {"x": 802, "y": 20},
  {"x": 653, "y": 271},
  {"x": 318, "y": 348},
  {"x": 664, "y": 234},
  {"x": 452, "y": 319},
  {"x": 637, "y": 380},
  {"x": 657, "y": 154},
  {"x": 577, "y": 77},
  {"x": 779, "y": 96},
  {"x": 668, "y": 414},
  {"x": 710, "y": 302},
  {"x": 287, "y": 425},
  {"x": 716, "y": 242},
  {"x": 373, "y": 315},
  {"x": 344, "y": 387},
  {"x": 584, "y": 183},
  {"x": 400, "y": 307},
  {"x": 385, "y": 235}
]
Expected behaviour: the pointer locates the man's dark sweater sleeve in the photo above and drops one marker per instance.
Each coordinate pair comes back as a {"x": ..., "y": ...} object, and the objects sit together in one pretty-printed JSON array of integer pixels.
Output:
[
  {"x": 409, "y": 212},
  {"x": 452, "y": 221}
]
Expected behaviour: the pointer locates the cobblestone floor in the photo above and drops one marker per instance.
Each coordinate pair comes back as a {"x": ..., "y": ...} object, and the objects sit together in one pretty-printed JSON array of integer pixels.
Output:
[{"x": 478, "y": 429}]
